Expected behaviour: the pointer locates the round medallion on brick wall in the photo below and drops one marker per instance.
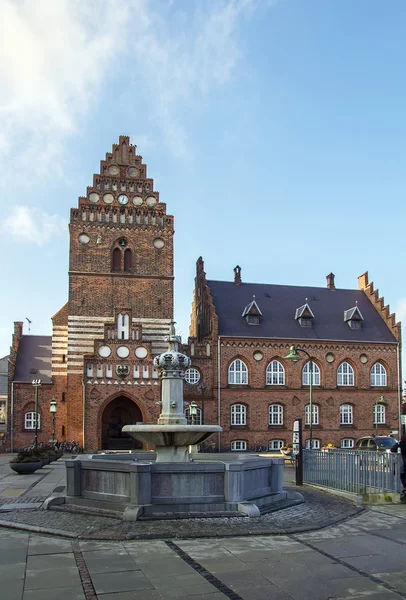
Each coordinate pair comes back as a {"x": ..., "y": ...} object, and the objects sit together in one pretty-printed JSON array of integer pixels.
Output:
[
  {"x": 93, "y": 197},
  {"x": 363, "y": 358},
  {"x": 123, "y": 351},
  {"x": 159, "y": 243},
  {"x": 133, "y": 172},
  {"x": 258, "y": 355},
  {"x": 108, "y": 198},
  {"x": 104, "y": 351},
  {"x": 141, "y": 352},
  {"x": 84, "y": 238},
  {"x": 137, "y": 200},
  {"x": 151, "y": 201},
  {"x": 330, "y": 357},
  {"x": 114, "y": 170}
]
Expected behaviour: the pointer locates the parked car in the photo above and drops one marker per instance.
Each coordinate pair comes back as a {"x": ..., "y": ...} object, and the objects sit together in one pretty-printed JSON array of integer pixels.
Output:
[{"x": 382, "y": 443}]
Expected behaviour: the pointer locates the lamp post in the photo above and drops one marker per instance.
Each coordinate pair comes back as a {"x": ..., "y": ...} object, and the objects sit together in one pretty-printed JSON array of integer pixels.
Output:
[
  {"x": 202, "y": 388},
  {"x": 193, "y": 411},
  {"x": 293, "y": 355},
  {"x": 53, "y": 409},
  {"x": 36, "y": 383},
  {"x": 379, "y": 400}
]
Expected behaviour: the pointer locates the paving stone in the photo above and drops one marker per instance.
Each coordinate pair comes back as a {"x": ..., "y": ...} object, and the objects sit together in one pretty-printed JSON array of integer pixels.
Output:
[
  {"x": 146, "y": 595},
  {"x": 16, "y": 571},
  {"x": 115, "y": 582},
  {"x": 41, "y": 545},
  {"x": 109, "y": 561},
  {"x": 13, "y": 556},
  {"x": 168, "y": 566},
  {"x": 396, "y": 580},
  {"x": 43, "y": 562},
  {"x": 52, "y": 578},
  {"x": 63, "y": 593},
  {"x": 12, "y": 590}
]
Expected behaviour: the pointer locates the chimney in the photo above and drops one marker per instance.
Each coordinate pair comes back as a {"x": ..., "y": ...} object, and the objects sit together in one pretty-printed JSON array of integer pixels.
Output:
[
  {"x": 330, "y": 281},
  {"x": 237, "y": 275}
]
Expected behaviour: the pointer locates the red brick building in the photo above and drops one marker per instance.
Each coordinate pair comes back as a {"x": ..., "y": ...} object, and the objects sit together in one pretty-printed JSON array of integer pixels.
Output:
[
  {"x": 241, "y": 334},
  {"x": 98, "y": 364}
]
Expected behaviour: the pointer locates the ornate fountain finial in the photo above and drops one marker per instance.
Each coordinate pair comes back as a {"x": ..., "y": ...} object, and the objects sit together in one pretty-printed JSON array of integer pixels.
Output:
[{"x": 173, "y": 339}]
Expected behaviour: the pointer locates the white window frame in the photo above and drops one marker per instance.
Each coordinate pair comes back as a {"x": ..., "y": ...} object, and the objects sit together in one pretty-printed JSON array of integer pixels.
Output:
[
  {"x": 192, "y": 376},
  {"x": 378, "y": 375},
  {"x": 275, "y": 414},
  {"x": 346, "y": 414},
  {"x": 276, "y": 444},
  {"x": 198, "y": 416},
  {"x": 345, "y": 375},
  {"x": 241, "y": 443},
  {"x": 379, "y": 414},
  {"x": 306, "y": 374},
  {"x": 29, "y": 420},
  {"x": 347, "y": 443},
  {"x": 275, "y": 373},
  {"x": 238, "y": 414},
  {"x": 316, "y": 414},
  {"x": 316, "y": 444},
  {"x": 238, "y": 372}
]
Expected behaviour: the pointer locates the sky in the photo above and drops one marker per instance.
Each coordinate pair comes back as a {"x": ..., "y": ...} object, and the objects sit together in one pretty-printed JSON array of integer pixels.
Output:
[{"x": 274, "y": 130}]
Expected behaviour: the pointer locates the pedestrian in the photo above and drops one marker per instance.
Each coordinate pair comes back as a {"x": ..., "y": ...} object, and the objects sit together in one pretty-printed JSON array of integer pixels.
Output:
[{"x": 402, "y": 446}]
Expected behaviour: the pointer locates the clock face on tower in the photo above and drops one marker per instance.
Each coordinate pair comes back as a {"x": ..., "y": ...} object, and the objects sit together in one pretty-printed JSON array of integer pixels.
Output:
[{"x": 123, "y": 199}]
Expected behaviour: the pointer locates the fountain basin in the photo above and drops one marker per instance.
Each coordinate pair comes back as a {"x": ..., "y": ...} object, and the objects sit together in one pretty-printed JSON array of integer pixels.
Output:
[{"x": 172, "y": 441}]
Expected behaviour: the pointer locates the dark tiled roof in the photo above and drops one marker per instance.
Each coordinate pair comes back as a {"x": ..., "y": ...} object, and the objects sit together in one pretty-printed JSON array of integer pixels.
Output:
[
  {"x": 278, "y": 304},
  {"x": 3, "y": 384},
  {"x": 4, "y": 364},
  {"x": 34, "y": 352}
]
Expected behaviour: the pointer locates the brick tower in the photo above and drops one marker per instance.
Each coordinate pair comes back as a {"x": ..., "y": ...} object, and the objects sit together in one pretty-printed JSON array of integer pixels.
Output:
[{"x": 120, "y": 303}]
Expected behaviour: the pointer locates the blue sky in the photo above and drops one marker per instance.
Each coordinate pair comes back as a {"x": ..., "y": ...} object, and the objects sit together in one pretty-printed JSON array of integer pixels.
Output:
[{"x": 275, "y": 132}]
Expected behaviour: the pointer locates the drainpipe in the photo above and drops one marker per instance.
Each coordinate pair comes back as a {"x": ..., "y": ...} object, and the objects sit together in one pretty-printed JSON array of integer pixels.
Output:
[
  {"x": 399, "y": 390},
  {"x": 12, "y": 419},
  {"x": 84, "y": 421},
  {"x": 218, "y": 392}
]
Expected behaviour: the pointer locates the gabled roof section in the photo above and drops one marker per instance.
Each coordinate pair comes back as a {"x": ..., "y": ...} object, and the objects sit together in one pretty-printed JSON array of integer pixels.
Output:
[
  {"x": 304, "y": 312},
  {"x": 252, "y": 309},
  {"x": 279, "y": 303},
  {"x": 4, "y": 364},
  {"x": 353, "y": 314},
  {"x": 34, "y": 359}
]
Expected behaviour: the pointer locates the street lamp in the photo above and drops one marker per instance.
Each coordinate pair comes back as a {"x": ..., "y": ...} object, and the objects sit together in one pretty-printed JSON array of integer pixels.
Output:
[
  {"x": 293, "y": 355},
  {"x": 193, "y": 411},
  {"x": 53, "y": 409},
  {"x": 36, "y": 383},
  {"x": 380, "y": 400},
  {"x": 202, "y": 388}
]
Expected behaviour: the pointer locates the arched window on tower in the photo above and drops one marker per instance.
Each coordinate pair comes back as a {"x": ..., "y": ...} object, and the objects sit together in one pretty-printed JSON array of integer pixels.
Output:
[
  {"x": 116, "y": 262},
  {"x": 127, "y": 260},
  {"x": 123, "y": 327}
]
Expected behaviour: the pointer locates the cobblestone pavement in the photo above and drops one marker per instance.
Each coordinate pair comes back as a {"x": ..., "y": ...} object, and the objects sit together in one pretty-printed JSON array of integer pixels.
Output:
[{"x": 320, "y": 509}]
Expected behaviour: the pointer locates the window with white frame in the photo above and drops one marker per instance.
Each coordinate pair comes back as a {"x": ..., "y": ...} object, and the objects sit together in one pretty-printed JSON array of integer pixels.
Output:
[
  {"x": 379, "y": 414},
  {"x": 237, "y": 445},
  {"x": 29, "y": 420},
  {"x": 345, "y": 374},
  {"x": 238, "y": 372},
  {"x": 347, "y": 443},
  {"x": 306, "y": 374},
  {"x": 378, "y": 374},
  {"x": 315, "y": 444},
  {"x": 276, "y": 414},
  {"x": 192, "y": 376},
  {"x": 346, "y": 414},
  {"x": 315, "y": 418},
  {"x": 275, "y": 373},
  {"x": 238, "y": 414},
  {"x": 276, "y": 444},
  {"x": 198, "y": 417}
]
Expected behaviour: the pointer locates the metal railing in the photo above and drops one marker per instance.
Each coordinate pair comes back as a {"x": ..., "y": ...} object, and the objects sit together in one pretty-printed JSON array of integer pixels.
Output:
[{"x": 354, "y": 471}]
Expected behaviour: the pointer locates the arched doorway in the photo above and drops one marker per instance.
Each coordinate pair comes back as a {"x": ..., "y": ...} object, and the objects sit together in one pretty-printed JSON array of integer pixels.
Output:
[{"x": 119, "y": 412}]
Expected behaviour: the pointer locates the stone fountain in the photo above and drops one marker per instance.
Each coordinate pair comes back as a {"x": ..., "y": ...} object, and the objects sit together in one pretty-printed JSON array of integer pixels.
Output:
[
  {"x": 168, "y": 484},
  {"x": 172, "y": 436}
]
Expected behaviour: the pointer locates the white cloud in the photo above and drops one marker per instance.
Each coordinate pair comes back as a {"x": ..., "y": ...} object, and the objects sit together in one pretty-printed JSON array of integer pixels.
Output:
[
  {"x": 58, "y": 57},
  {"x": 31, "y": 225},
  {"x": 55, "y": 58}
]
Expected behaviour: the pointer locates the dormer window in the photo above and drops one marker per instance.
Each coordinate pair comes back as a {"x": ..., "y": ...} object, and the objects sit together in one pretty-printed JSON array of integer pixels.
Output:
[
  {"x": 353, "y": 317},
  {"x": 252, "y": 313},
  {"x": 304, "y": 316}
]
